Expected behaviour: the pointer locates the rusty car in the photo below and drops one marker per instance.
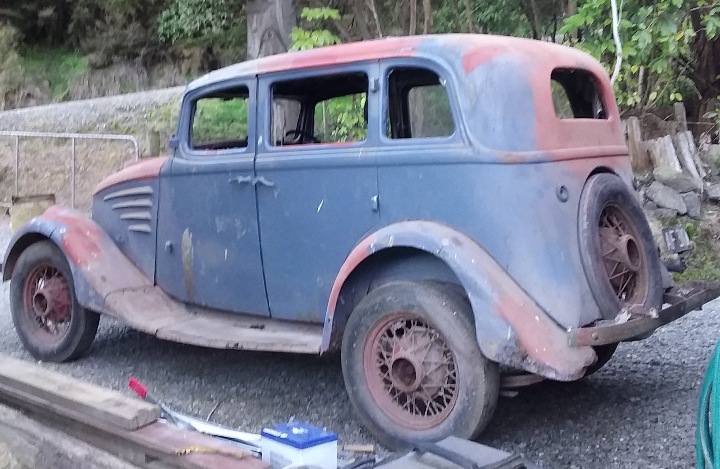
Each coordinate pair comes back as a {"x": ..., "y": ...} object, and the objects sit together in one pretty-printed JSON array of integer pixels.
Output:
[{"x": 436, "y": 208}]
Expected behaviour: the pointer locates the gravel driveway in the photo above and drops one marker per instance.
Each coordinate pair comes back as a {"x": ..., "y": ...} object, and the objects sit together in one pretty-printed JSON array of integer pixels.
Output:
[{"x": 638, "y": 412}]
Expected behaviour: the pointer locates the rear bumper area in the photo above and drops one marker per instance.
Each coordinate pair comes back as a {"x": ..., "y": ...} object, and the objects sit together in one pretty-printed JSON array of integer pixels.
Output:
[{"x": 635, "y": 322}]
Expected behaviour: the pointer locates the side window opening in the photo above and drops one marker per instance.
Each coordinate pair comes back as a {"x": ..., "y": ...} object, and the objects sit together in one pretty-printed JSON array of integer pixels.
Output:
[
  {"x": 576, "y": 95},
  {"x": 418, "y": 105},
  {"x": 323, "y": 109},
  {"x": 220, "y": 120}
]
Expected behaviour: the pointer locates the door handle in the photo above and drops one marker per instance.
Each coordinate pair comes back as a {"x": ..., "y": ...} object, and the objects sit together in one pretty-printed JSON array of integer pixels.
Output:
[
  {"x": 263, "y": 181},
  {"x": 242, "y": 180}
]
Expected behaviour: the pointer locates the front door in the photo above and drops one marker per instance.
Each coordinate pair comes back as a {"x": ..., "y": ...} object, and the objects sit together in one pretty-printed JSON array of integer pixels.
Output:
[
  {"x": 208, "y": 241},
  {"x": 319, "y": 196}
]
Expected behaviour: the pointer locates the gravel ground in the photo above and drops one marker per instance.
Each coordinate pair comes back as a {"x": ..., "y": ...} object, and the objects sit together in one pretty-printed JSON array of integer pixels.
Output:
[
  {"x": 86, "y": 114},
  {"x": 638, "y": 412}
]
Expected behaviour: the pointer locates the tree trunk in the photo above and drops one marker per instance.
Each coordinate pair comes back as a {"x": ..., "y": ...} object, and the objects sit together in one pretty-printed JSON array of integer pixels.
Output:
[
  {"x": 427, "y": 12},
  {"x": 706, "y": 73},
  {"x": 269, "y": 23},
  {"x": 468, "y": 14},
  {"x": 413, "y": 18},
  {"x": 571, "y": 8},
  {"x": 535, "y": 20},
  {"x": 361, "y": 19},
  {"x": 373, "y": 10}
]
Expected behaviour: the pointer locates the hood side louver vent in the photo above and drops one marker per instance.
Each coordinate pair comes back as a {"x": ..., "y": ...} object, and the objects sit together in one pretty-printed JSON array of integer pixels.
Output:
[{"x": 136, "y": 198}]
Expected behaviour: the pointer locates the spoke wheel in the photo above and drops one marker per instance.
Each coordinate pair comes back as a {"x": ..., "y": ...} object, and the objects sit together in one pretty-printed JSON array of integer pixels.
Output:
[
  {"x": 617, "y": 250},
  {"x": 47, "y": 303},
  {"x": 48, "y": 318},
  {"x": 411, "y": 372},
  {"x": 412, "y": 366},
  {"x": 624, "y": 260}
]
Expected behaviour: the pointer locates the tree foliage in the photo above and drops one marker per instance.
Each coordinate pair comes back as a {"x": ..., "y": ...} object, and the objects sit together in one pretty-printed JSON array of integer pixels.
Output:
[
  {"x": 671, "y": 48},
  {"x": 657, "y": 47}
]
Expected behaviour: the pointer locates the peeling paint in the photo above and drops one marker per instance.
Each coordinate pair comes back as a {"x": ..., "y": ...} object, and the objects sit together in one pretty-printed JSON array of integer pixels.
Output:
[{"x": 187, "y": 260}]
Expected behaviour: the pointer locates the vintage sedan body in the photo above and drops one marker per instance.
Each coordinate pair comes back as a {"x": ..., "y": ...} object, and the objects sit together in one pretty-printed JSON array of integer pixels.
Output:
[{"x": 435, "y": 207}]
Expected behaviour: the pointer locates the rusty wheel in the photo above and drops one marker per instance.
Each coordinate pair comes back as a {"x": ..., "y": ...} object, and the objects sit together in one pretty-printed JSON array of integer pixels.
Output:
[
  {"x": 618, "y": 253},
  {"x": 411, "y": 371},
  {"x": 412, "y": 366},
  {"x": 47, "y": 317},
  {"x": 47, "y": 301},
  {"x": 624, "y": 259}
]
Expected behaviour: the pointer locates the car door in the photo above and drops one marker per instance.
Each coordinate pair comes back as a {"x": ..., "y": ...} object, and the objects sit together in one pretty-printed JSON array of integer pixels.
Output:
[
  {"x": 319, "y": 198},
  {"x": 208, "y": 239}
]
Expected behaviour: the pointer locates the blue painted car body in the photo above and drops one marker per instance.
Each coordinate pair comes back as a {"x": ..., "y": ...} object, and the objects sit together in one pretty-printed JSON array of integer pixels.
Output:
[{"x": 301, "y": 232}]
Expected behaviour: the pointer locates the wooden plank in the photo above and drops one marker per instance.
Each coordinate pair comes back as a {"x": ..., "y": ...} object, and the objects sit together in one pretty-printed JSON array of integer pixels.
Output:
[
  {"x": 695, "y": 152},
  {"x": 680, "y": 117},
  {"x": 155, "y": 446},
  {"x": 25, "y": 443},
  {"x": 662, "y": 153},
  {"x": 683, "y": 151},
  {"x": 639, "y": 158},
  {"x": 100, "y": 404}
]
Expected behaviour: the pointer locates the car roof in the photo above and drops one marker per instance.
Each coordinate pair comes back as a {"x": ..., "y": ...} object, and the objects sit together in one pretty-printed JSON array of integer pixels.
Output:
[{"x": 471, "y": 47}]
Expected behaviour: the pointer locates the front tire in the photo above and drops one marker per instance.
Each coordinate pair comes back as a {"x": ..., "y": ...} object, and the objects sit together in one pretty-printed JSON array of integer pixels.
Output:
[
  {"x": 412, "y": 365},
  {"x": 47, "y": 316}
]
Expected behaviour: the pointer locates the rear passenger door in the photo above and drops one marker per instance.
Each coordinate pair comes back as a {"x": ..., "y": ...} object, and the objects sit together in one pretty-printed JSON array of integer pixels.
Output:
[
  {"x": 317, "y": 195},
  {"x": 422, "y": 167}
]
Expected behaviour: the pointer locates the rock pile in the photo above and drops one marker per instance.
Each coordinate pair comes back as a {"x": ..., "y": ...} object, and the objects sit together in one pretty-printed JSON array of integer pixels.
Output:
[
  {"x": 667, "y": 193},
  {"x": 675, "y": 178}
]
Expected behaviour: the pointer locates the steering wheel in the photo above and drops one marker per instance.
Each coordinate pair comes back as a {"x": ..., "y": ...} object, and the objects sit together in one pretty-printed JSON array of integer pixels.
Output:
[{"x": 301, "y": 134}]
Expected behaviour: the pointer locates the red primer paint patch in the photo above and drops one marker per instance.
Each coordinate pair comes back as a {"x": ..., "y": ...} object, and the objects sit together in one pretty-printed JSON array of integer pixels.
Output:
[
  {"x": 478, "y": 56},
  {"x": 143, "y": 170},
  {"x": 81, "y": 239}
]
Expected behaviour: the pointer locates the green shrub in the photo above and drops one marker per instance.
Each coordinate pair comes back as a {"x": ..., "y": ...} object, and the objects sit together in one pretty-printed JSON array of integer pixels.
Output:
[{"x": 11, "y": 70}]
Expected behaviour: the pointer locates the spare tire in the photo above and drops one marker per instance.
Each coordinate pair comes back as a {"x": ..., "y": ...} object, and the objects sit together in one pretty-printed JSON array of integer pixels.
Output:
[{"x": 617, "y": 249}]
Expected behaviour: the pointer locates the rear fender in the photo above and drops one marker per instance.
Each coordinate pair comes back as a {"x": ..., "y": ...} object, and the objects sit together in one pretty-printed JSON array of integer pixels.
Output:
[
  {"x": 511, "y": 328},
  {"x": 98, "y": 267}
]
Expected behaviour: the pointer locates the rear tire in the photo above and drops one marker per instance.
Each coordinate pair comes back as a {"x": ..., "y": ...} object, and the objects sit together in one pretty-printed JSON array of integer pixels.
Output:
[
  {"x": 412, "y": 366},
  {"x": 50, "y": 322},
  {"x": 617, "y": 249}
]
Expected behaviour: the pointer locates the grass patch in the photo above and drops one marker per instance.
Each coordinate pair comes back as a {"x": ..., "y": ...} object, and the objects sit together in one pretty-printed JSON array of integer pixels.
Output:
[
  {"x": 703, "y": 263},
  {"x": 163, "y": 119},
  {"x": 58, "y": 68}
]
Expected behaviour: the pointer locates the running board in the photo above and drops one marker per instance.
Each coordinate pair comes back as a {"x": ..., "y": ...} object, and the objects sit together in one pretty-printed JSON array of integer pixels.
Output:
[{"x": 151, "y": 310}]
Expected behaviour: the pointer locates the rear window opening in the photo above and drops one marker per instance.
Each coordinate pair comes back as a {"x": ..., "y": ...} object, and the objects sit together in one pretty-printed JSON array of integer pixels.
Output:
[
  {"x": 576, "y": 95},
  {"x": 418, "y": 105}
]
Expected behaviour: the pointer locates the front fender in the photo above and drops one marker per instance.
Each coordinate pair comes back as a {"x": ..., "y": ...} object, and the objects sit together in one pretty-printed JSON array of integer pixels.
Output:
[
  {"x": 512, "y": 329},
  {"x": 97, "y": 265}
]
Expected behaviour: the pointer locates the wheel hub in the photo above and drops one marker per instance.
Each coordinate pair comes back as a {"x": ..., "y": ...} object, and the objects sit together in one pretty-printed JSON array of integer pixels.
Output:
[
  {"x": 629, "y": 253},
  {"x": 404, "y": 374},
  {"x": 48, "y": 302},
  {"x": 622, "y": 256},
  {"x": 50, "y": 299},
  {"x": 411, "y": 372}
]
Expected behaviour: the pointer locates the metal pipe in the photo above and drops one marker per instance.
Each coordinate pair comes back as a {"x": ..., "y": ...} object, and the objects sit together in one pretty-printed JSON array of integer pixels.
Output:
[
  {"x": 72, "y": 172},
  {"x": 72, "y": 136},
  {"x": 17, "y": 163},
  {"x": 127, "y": 138}
]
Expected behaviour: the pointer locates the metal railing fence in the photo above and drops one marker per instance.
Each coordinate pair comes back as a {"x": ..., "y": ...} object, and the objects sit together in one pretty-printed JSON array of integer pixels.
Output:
[{"x": 17, "y": 135}]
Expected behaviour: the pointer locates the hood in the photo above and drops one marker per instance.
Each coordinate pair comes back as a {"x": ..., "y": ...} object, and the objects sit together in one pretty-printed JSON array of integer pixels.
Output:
[{"x": 144, "y": 169}]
